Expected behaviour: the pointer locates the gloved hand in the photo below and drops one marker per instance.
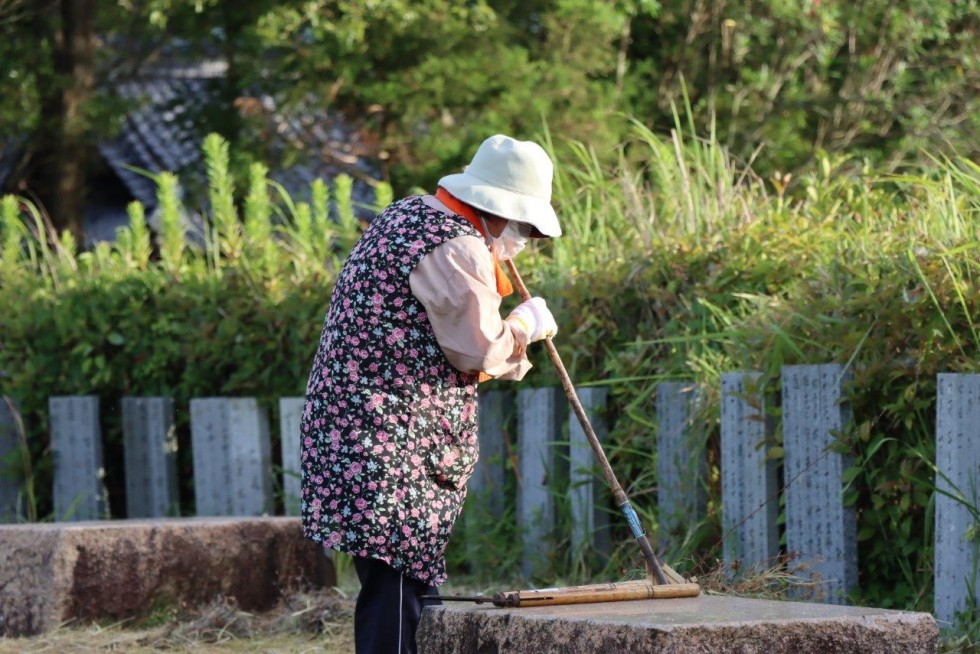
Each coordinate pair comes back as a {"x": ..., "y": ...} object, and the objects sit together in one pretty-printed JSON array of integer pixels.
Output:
[{"x": 536, "y": 318}]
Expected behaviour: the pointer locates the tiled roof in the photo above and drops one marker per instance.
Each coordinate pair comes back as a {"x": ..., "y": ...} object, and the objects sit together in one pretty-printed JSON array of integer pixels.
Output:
[
  {"x": 162, "y": 133},
  {"x": 159, "y": 134}
]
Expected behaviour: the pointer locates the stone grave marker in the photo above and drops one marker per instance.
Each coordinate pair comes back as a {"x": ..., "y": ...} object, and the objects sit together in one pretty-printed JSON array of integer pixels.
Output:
[
  {"x": 76, "y": 450},
  {"x": 958, "y": 482},
  {"x": 232, "y": 457},
  {"x": 750, "y": 506},
  {"x": 681, "y": 459},
  {"x": 290, "y": 416},
  {"x": 819, "y": 528},
  {"x": 10, "y": 491},
  {"x": 588, "y": 488},
  {"x": 539, "y": 419},
  {"x": 150, "y": 445}
]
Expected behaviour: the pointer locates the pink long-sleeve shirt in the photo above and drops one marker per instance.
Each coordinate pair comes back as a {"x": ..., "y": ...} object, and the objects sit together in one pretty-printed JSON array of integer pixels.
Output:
[{"x": 455, "y": 283}]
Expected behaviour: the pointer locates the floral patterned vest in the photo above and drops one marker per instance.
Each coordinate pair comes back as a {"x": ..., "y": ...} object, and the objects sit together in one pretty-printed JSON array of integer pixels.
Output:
[{"x": 389, "y": 433}]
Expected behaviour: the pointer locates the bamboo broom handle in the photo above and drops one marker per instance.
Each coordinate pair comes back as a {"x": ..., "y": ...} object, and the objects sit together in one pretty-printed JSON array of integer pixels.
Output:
[
  {"x": 613, "y": 592},
  {"x": 653, "y": 565}
]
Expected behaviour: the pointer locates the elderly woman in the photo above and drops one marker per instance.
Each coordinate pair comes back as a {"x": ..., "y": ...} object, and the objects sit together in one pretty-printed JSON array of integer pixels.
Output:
[{"x": 389, "y": 429}]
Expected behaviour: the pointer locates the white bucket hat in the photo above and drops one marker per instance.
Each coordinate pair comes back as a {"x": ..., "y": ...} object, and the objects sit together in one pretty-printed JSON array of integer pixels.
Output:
[{"x": 511, "y": 179}]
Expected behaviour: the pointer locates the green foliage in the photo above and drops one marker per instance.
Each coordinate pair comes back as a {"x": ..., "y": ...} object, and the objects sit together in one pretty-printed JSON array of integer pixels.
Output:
[
  {"x": 226, "y": 230},
  {"x": 11, "y": 229},
  {"x": 172, "y": 239},
  {"x": 487, "y": 68},
  {"x": 134, "y": 240},
  {"x": 795, "y": 77},
  {"x": 777, "y": 82}
]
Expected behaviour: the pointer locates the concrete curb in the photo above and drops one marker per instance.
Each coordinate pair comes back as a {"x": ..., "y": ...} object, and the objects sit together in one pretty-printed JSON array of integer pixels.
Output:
[
  {"x": 53, "y": 573},
  {"x": 709, "y": 623}
]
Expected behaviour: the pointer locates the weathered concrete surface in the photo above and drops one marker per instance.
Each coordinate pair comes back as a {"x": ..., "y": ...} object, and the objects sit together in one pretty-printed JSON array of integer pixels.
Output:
[
  {"x": 703, "y": 625},
  {"x": 50, "y": 573}
]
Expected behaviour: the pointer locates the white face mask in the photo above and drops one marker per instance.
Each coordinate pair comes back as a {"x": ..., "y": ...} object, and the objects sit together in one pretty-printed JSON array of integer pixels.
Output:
[{"x": 511, "y": 241}]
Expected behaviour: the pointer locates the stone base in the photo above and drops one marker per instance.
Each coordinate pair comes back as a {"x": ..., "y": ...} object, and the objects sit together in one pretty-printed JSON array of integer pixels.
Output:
[
  {"x": 709, "y": 623},
  {"x": 51, "y": 573}
]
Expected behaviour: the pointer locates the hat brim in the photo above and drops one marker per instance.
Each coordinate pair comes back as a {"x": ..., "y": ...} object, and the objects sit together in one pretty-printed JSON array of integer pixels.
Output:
[{"x": 536, "y": 212}]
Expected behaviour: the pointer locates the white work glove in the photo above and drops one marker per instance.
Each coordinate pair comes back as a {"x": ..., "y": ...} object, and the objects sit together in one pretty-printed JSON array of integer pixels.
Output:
[{"x": 535, "y": 318}]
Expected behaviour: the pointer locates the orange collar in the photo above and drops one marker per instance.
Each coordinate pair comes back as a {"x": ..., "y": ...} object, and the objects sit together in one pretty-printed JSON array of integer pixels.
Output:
[{"x": 457, "y": 206}]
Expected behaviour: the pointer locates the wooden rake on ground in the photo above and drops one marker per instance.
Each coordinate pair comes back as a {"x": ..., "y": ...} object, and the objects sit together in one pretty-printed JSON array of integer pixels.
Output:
[{"x": 661, "y": 582}]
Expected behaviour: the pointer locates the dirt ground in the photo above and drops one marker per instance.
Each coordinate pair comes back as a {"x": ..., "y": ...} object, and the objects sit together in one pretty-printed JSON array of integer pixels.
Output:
[
  {"x": 316, "y": 622},
  {"x": 320, "y": 622},
  {"x": 127, "y": 641}
]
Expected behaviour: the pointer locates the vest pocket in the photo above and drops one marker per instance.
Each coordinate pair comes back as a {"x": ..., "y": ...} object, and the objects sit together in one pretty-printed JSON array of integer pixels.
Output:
[{"x": 451, "y": 460}]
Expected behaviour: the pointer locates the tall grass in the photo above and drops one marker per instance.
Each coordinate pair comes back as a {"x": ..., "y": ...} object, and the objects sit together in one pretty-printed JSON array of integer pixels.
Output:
[
  {"x": 662, "y": 191},
  {"x": 257, "y": 231}
]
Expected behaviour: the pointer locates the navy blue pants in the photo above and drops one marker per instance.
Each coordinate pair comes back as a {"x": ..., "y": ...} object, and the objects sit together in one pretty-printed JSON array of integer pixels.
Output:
[{"x": 388, "y": 608}]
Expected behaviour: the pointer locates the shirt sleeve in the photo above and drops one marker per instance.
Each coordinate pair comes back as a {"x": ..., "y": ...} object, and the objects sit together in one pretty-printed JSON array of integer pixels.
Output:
[{"x": 455, "y": 283}]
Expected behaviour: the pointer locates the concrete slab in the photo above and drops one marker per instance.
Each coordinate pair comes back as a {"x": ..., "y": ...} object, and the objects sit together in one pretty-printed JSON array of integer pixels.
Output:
[
  {"x": 709, "y": 623},
  {"x": 54, "y": 572}
]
